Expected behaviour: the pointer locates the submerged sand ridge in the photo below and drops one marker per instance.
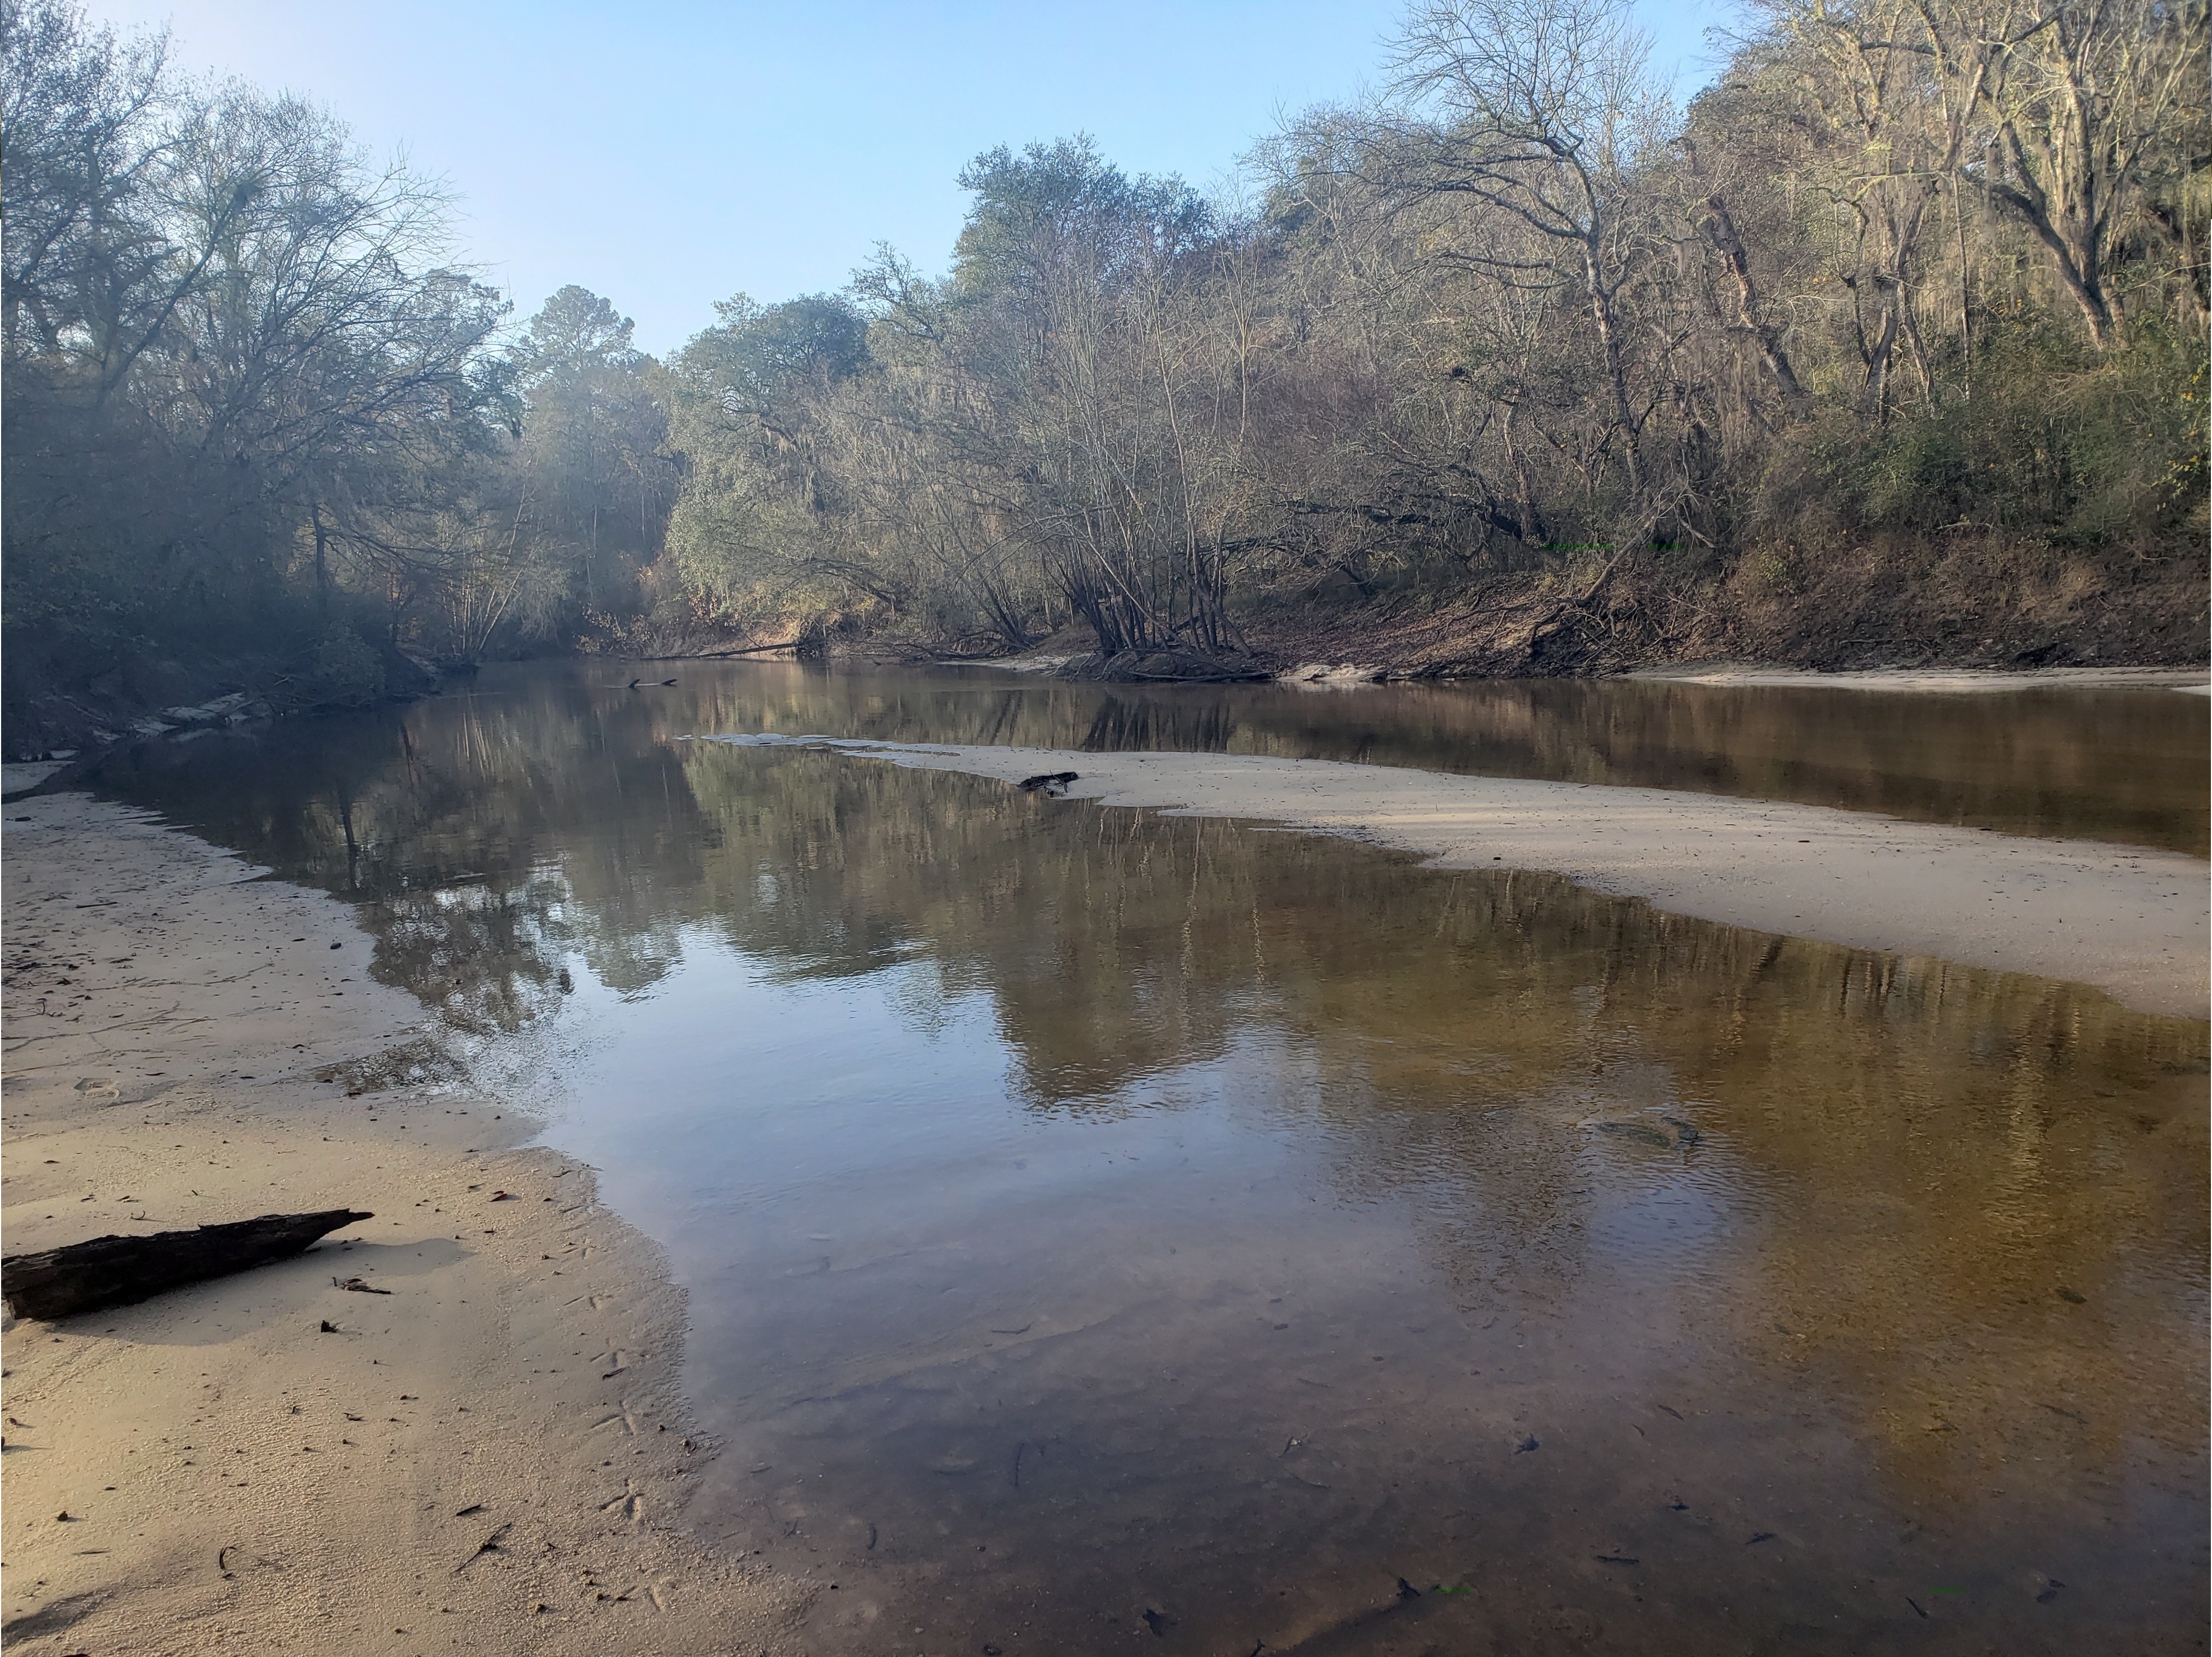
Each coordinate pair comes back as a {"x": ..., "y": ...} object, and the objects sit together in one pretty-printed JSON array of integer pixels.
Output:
[
  {"x": 1949, "y": 681},
  {"x": 485, "y": 1453},
  {"x": 2130, "y": 922}
]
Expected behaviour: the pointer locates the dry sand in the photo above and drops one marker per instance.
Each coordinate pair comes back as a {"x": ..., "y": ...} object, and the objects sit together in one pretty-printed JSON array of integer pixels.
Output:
[
  {"x": 489, "y": 1458},
  {"x": 2130, "y": 922}
]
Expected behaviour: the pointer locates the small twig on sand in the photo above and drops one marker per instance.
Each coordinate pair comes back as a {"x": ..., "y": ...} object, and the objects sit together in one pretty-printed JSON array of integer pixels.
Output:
[{"x": 490, "y": 1545}]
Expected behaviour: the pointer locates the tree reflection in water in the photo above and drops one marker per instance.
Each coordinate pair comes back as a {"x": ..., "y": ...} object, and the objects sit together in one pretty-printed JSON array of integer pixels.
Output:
[{"x": 1197, "y": 1218}]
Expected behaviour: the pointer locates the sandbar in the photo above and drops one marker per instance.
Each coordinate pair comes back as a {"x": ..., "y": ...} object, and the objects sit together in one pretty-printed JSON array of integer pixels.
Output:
[
  {"x": 489, "y": 1456},
  {"x": 1946, "y": 680},
  {"x": 2126, "y": 920}
]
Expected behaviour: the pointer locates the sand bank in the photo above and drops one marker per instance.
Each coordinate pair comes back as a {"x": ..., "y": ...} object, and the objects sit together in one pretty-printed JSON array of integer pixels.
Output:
[
  {"x": 2130, "y": 922},
  {"x": 490, "y": 1457},
  {"x": 1947, "y": 679},
  {"x": 2196, "y": 680}
]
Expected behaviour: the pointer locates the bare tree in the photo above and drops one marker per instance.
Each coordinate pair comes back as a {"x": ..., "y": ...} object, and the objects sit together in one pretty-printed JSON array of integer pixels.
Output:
[
  {"x": 1548, "y": 116},
  {"x": 2090, "y": 100}
]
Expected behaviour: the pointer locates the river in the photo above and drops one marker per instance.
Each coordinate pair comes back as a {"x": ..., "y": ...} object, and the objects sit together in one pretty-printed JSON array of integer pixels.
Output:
[{"x": 1102, "y": 1226}]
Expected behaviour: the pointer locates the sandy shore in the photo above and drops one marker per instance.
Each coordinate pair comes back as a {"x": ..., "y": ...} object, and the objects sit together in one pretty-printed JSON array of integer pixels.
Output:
[
  {"x": 1947, "y": 679},
  {"x": 490, "y": 1457},
  {"x": 2196, "y": 680},
  {"x": 2128, "y": 922}
]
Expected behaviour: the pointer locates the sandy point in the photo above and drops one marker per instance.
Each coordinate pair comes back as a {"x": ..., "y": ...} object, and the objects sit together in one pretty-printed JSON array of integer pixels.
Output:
[
  {"x": 2128, "y": 920},
  {"x": 1949, "y": 680},
  {"x": 481, "y": 1449}
]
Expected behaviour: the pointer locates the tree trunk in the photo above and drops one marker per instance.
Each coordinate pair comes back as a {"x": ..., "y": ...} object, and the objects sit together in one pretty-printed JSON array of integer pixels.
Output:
[
  {"x": 322, "y": 557},
  {"x": 1721, "y": 231},
  {"x": 86, "y": 1277}
]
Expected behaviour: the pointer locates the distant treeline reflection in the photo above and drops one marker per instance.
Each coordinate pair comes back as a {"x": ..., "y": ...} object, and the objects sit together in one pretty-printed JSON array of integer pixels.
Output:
[{"x": 1461, "y": 1031}]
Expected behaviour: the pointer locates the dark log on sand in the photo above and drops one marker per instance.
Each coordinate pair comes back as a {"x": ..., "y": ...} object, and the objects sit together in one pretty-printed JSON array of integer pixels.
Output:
[{"x": 118, "y": 1271}]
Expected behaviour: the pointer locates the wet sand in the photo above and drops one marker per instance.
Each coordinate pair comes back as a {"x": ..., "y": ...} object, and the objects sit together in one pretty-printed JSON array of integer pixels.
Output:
[
  {"x": 1944, "y": 679},
  {"x": 2127, "y": 921},
  {"x": 490, "y": 1457}
]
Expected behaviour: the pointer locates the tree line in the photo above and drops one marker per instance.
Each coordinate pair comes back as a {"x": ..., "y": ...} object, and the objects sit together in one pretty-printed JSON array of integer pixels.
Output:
[
  {"x": 258, "y": 409},
  {"x": 1915, "y": 292}
]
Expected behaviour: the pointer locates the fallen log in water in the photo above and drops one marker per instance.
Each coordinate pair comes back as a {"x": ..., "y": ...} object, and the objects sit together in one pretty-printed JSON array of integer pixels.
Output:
[{"x": 118, "y": 1271}]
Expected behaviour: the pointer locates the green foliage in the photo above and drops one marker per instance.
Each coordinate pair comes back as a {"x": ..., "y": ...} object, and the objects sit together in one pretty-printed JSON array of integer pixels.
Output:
[
  {"x": 759, "y": 353},
  {"x": 587, "y": 487},
  {"x": 747, "y": 536},
  {"x": 2053, "y": 439},
  {"x": 1032, "y": 212}
]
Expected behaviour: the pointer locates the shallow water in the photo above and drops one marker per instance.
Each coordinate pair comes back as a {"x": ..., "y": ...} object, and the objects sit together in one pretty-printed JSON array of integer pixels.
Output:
[{"x": 1104, "y": 1227}]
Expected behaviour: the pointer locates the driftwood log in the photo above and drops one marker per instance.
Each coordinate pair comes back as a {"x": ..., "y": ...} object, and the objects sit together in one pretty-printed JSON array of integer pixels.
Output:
[{"x": 119, "y": 1271}]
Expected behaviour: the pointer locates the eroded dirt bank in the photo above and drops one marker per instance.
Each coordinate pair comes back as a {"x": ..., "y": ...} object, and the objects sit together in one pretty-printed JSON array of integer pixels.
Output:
[
  {"x": 489, "y": 1456},
  {"x": 2130, "y": 921}
]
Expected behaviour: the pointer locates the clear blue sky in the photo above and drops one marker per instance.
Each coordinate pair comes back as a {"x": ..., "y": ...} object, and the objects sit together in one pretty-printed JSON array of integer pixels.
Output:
[{"x": 670, "y": 153}]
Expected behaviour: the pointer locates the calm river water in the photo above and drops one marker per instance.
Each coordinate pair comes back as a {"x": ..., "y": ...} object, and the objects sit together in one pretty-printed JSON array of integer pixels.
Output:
[{"x": 1106, "y": 1230}]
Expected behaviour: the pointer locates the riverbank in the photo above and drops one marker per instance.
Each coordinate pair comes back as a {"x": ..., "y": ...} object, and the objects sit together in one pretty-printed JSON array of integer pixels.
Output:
[
  {"x": 58, "y": 706},
  {"x": 2128, "y": 922},
  {"x": 1337, "y": 675},
  {"x": 490, "y": 1455}
]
